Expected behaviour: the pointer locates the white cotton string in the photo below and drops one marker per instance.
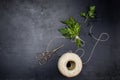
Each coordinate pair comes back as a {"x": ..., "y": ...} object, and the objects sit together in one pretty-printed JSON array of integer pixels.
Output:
[
  {"x": 91, "y": 54},
  {"x": 83, "y": 51},
  {"x": 97, "y": 40},
  {"x": 50, "y": 42},
  {"x": 61, "y": 37},
  {"x": 90, "y": 31},
  {"x": 83, "y": 42}
]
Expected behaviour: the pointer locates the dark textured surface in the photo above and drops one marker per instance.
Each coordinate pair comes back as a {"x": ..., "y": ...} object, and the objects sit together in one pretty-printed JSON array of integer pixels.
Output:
[{"x": 26, "y": 26}]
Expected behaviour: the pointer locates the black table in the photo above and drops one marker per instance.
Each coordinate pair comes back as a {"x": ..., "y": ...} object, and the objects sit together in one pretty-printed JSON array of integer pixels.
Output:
[{"x": 27, "y": 26}]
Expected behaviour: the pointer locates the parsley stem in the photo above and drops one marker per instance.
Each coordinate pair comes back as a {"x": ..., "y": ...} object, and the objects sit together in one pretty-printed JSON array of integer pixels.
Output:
[{"x": 86, "y": 18}]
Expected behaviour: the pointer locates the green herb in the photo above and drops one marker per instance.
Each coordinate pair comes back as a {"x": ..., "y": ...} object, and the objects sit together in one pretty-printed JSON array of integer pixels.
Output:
[
  {"x": 89, "y": 14},
  {"x": 72, "y": 30},
  {"x": 78, "y": 42},
  {"x": 73, "y": 27}
]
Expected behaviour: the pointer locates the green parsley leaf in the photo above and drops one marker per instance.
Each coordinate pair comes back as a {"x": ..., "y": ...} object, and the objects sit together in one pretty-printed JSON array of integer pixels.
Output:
[
  {"x": 92, "y": 8},
  {"x": 91, "y": 12},
  {"x": 64, "y": 32},
  {"x": 83, "y": 14},
  {"x": 72, "y": 30}
]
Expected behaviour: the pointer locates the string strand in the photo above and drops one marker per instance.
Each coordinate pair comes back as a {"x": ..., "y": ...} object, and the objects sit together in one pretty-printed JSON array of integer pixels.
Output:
[
  {"x": 83, "y": 42},
  {"x": 50, "y": 42},
  {"x": 97, "y": 41},
  {"x": 90, "y": 31},
  {"x": 83, "y": 51}
]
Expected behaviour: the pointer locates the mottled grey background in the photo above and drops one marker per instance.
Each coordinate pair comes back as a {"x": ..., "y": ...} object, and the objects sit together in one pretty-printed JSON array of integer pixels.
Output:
[{"x": 26, "y": 27}]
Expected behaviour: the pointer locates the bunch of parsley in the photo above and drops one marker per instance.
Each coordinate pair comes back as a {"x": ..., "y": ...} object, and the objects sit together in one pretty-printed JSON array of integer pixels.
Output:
[{"x": 72, "y": 29}]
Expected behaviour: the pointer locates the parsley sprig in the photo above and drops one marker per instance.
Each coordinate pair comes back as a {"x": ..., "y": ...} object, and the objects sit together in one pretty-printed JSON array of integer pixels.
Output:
[
  {"x": 90, "y": 14},
  {"x": 72, "y": 30}
]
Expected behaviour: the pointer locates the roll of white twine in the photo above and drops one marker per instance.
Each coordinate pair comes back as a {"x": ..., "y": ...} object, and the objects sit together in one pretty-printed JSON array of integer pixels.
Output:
[{"x": 69, "y": 64}]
